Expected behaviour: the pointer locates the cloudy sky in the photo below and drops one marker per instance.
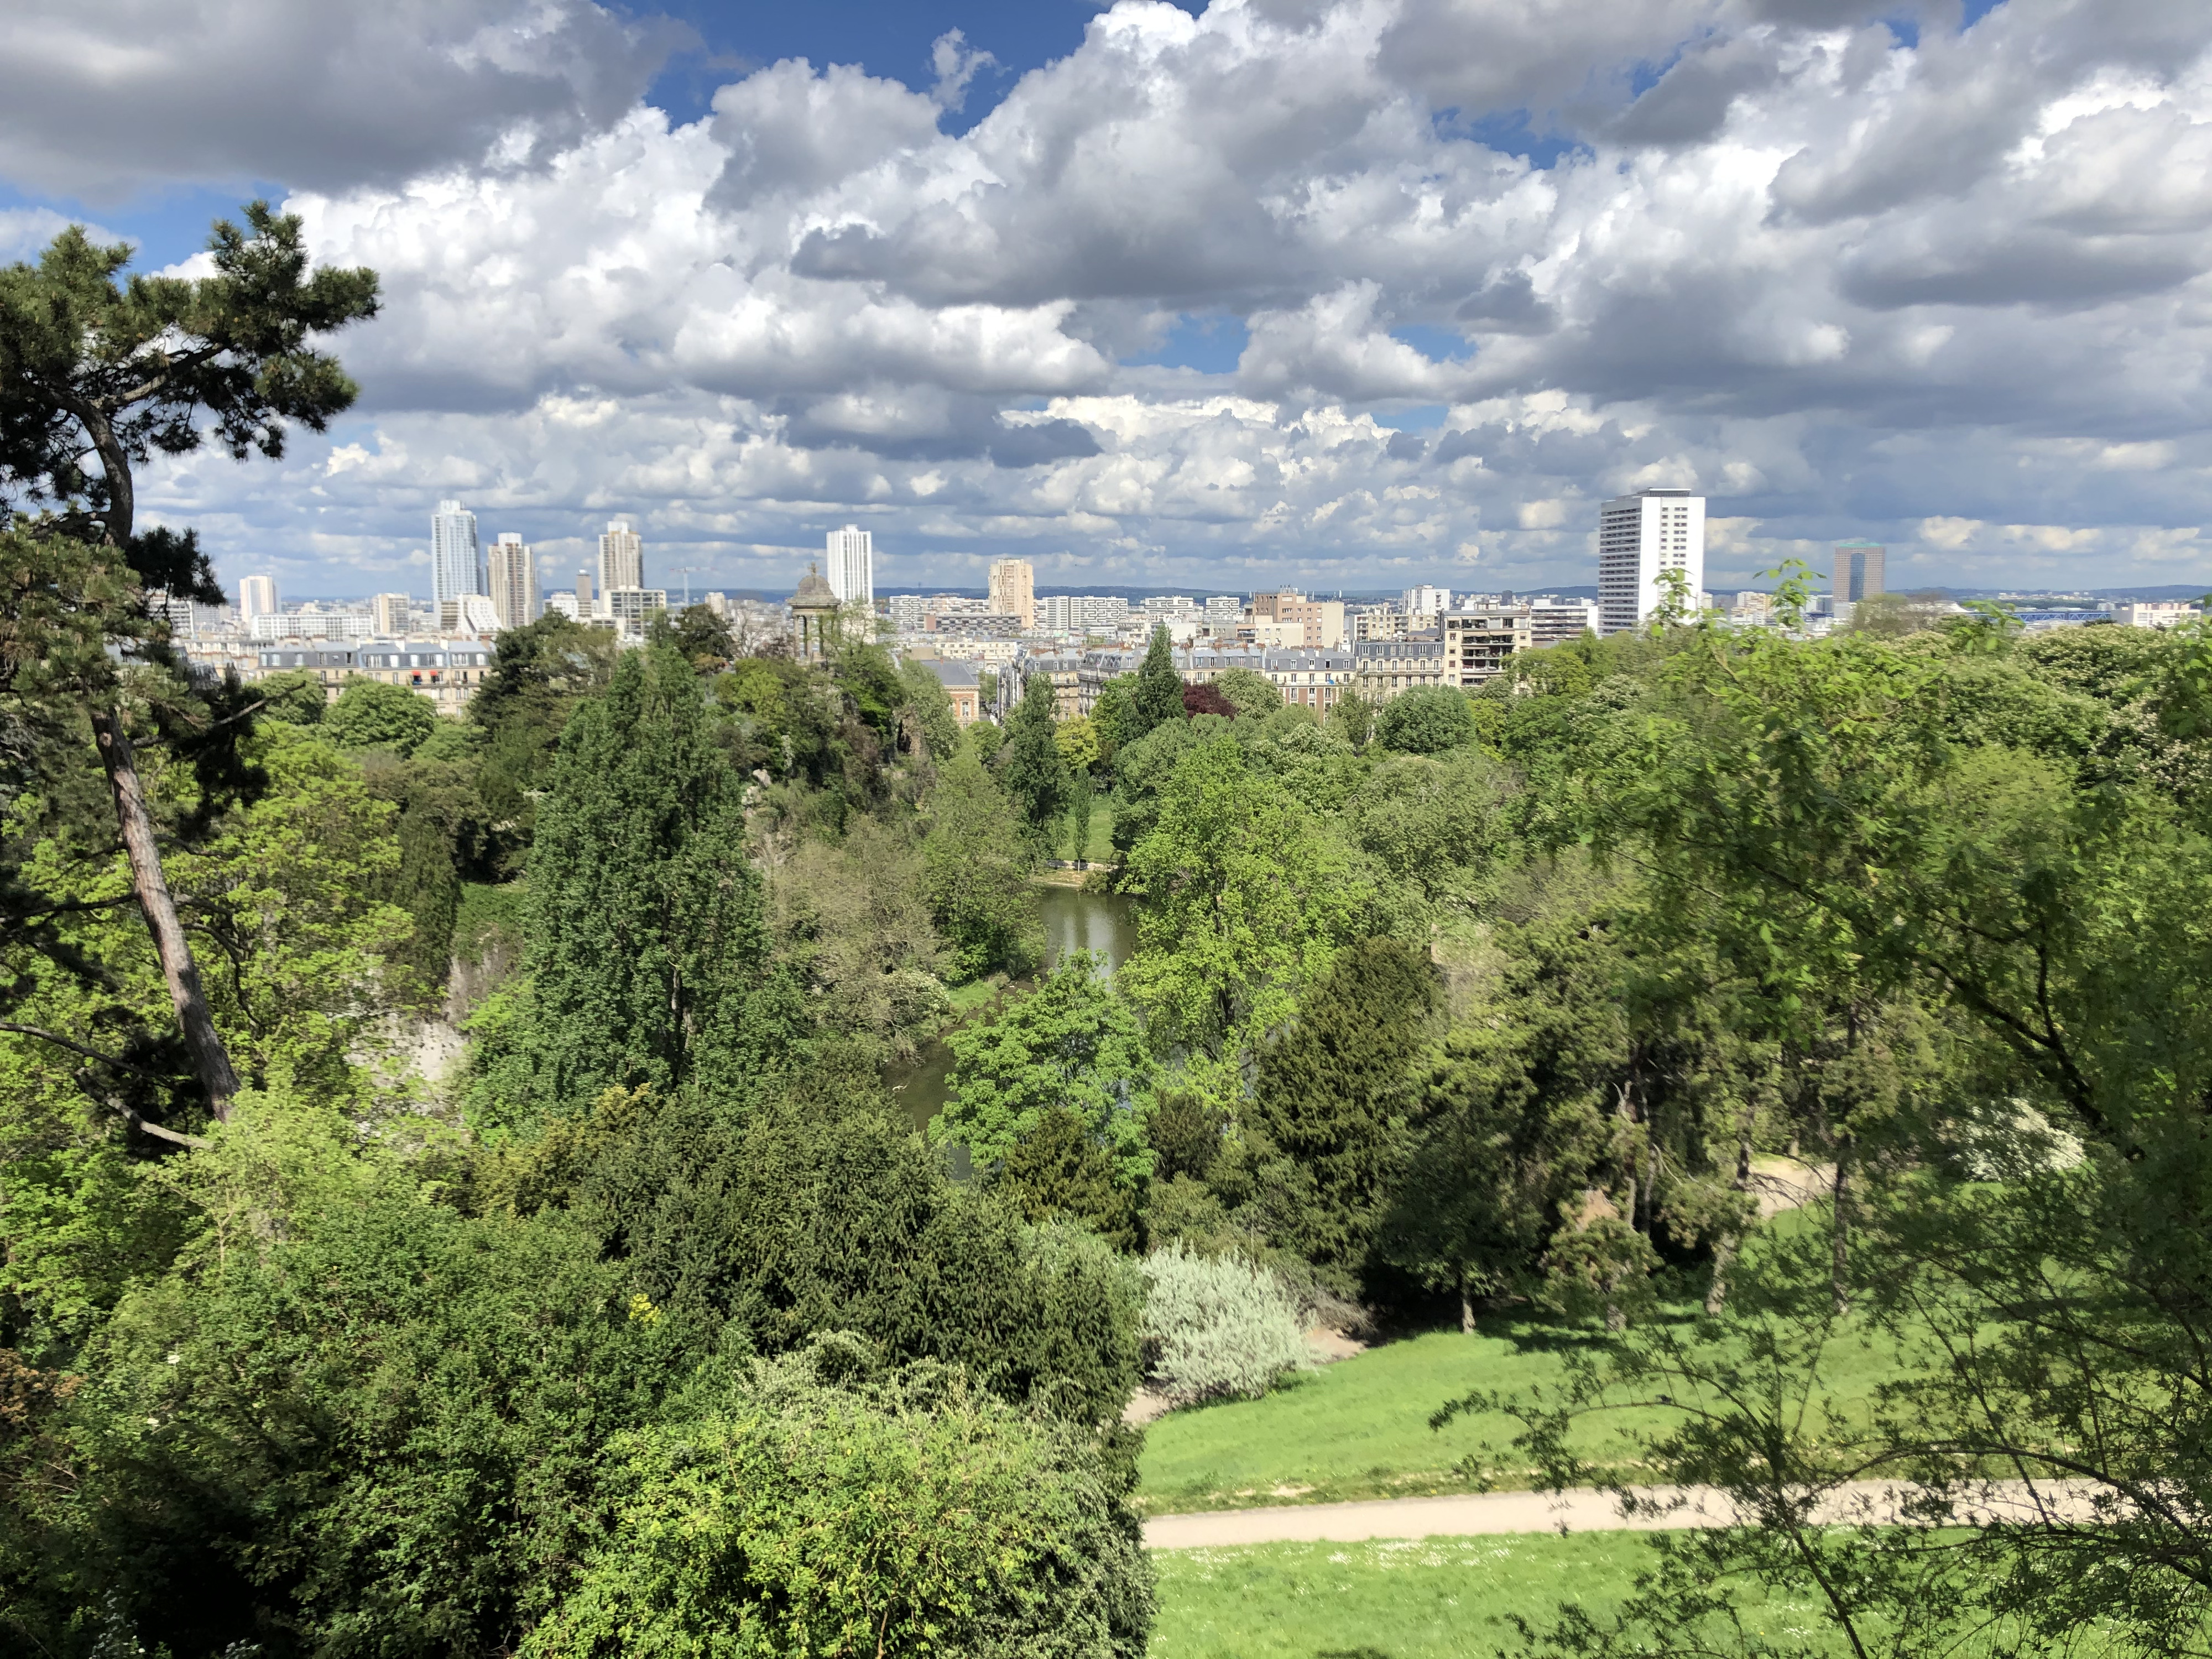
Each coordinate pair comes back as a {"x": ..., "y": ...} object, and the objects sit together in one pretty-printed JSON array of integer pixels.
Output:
[{"x": 1354, "y": 292}]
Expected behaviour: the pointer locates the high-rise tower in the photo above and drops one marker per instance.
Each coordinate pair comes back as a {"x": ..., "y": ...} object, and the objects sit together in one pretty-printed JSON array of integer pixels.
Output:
[
  {"x": 257, "y": 596},
  {"x": 1638, "y": 536},
  {"x": 622, "y": 556},
  {"x": 1858, "y": 570},
  {"x": 1014, "y": 590},
  {"x": 852, "y": 562},
  {"x": 456, "y": 561},
  {"x": 513, "y": 582}
]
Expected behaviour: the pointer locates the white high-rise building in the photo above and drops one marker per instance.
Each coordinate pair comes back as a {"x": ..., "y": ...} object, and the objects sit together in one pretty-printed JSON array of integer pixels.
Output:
[
  {"x": 1639, "y": 536},
  {"x": 1427, "y": 603},
  {"x": 851, "y": 565},
  {"x": 622, "y": 556},
  {"x": 513, "y": 582},
  {"x": 456, "y": 561},
  {"x": 257, "y": 596}
]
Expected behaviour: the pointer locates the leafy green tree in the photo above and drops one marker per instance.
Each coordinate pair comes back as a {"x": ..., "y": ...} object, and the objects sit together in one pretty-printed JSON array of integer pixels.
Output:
[
  {"x": 1354, "y": 716},
  {"x": 538, "y": 675},
  {"x": 372, "y": 715},
  {"x": 1425, "y": 720},
  {"x": 1332, "y": 1104},
  {"x": 975, "y": 870},
  {"x": 703, "y": 638},
  {"x": 1442, "y": 825},
  {"x": 645, "y": 938},
  {"x": 94, "y": 370},
  {"x": 897, "y": 1511},
  {"x": 852, "y": 922},
  {"x": 1242, "y": 899},
  {"x": 1248, "y": 691},
  {"x": 1115, "y": 715},
  {"x": 1031, "y": 769},
  {"x": 1155, "y": 699},
  {"x": 1072, "y": 1046},
  {"x": 930, "y": 707},
  {"x": 296, "y": 697}
]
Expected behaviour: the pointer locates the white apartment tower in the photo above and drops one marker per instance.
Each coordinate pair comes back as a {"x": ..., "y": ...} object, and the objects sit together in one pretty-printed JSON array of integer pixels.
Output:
[
  {"x": 1014, "y": 590},
  {"x": 1639, "y": 536},
  {"x": 456, "y": 562},
  {"x": 257, "y": 596},
  {"x": 513, "y": 582},
  {"x": 622, "y": 556},
  {"x": 852, "y": 566}
]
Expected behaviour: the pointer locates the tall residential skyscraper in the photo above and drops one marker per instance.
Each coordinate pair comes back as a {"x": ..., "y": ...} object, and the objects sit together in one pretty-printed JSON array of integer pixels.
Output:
[
  {"x": 513, "y": 582},
  {"x": 1858, "y": 570},
  {"x": 1639, "y": 536},
  {"x": 587, "y": 603},
  {"x": 456, "y": 561},
  {"x": 622, "y": 556},
  {"x": 257, "y": 596},
  {"x": 852, "y": 566},
  {"x": 1014, "y": 590}
]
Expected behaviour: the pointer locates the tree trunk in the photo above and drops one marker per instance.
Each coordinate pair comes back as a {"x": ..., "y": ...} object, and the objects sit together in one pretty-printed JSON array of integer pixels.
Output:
[
  {"x": 1466, "y": 1311},
  {"x": 210, "y": 1057},
  {"x": 1840, "y": 1235},
  {"x": 1725, "y": 1250}
]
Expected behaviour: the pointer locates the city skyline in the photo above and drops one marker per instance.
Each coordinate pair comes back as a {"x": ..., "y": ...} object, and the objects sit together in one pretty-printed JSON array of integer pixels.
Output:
[{"x": 1643, "y": 244}]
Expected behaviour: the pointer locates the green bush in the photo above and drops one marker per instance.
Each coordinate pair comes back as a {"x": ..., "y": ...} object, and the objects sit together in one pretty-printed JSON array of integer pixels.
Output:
[
  {"x": 372, "y": 715},
  {"x": 1426, "y": 720},
  {"x": 824, "y": 1512},
  {"x": 1218, "y": 1326}
]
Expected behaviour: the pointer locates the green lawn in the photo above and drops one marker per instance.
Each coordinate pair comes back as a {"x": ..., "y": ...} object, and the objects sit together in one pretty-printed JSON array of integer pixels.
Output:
[
  {"x": 1359, "y": 1428},
  {"x": 1430, "y": 1598},
  {"x": 1356, "y": 1429}
]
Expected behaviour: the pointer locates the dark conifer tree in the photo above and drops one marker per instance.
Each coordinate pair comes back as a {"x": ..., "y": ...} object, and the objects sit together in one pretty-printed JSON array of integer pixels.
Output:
[
  {"x": 646, "y": 938},
  {"x": 1329, "y": 1108},
  {"x": 1032, "y": 769},
  {"x": 1157, "y": 698}
]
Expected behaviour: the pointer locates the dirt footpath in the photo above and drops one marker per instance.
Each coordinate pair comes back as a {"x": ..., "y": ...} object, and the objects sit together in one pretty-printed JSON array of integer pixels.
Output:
[{"x": 1583, "y": 1511}]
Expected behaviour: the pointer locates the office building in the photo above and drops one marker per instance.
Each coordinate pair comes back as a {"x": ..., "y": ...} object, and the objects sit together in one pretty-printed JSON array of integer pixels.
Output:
[
  {"x": 1428, "y": 603},
  {"x": 456, "y": 561},
  {"x": 1858, "y": 570},
  {"x": 257, "y": 596},
  {"x": 622, "y": 556},
  {"x": 513, "y": 582},
  {"x": 471, "y": 613},
  {"x": 850, "y": 557},
  {"x": 1639, "y": 536},
  {"x": 587, "y": 598},
  {"x": 1014, "y": 590},
  {"x": 389, "y": 613}
]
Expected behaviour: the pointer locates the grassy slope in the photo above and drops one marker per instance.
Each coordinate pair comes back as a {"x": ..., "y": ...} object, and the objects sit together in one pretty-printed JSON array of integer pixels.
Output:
[
  {"x": 1433, "y": 1598},
  {"x": 1359, "y": 1428}
]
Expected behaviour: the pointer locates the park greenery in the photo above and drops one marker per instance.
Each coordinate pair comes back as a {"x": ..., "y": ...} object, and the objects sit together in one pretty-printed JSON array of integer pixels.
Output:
[{"x": 655, "y": 1322}]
